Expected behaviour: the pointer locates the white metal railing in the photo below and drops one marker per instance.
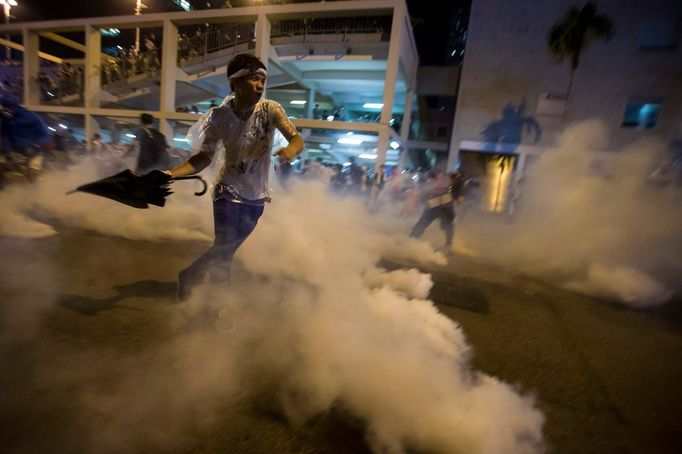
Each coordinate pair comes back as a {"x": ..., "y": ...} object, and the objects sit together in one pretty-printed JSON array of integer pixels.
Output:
[
  {"x": 321, "y": 26},
  {"x": 204, "y": 42}
]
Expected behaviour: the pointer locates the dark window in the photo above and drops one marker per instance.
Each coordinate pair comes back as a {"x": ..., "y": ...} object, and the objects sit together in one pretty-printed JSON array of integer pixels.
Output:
[{"x": 660, "y": 33}]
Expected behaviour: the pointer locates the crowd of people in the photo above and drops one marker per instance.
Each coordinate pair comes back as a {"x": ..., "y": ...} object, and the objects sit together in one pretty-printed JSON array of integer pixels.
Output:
[
  {"x": 401, "y": 191},
  {"x": 68, "y": 80},
  {"x": 133, "y": 61}
]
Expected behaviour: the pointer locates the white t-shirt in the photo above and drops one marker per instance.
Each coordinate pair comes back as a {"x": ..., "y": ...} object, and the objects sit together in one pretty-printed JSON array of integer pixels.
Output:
[{"x": 246, "y": 144}]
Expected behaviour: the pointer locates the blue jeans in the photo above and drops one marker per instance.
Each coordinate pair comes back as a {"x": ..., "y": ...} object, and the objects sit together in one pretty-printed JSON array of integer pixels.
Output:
[{"x": 233, "y": 223}]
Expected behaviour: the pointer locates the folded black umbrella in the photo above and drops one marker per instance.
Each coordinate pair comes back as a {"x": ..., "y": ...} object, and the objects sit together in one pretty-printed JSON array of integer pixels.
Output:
[{"x": 138, "y": 191}]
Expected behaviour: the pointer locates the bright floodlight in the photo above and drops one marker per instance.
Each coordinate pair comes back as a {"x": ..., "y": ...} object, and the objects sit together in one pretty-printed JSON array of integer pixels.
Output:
[
  {"x": 349, "y": 141},
  {"x": 299, "y": 102},
  {"x": 395, "y": 145},
  {"x": 367, "y": 156},
  {"x": 373, "y": 105}
]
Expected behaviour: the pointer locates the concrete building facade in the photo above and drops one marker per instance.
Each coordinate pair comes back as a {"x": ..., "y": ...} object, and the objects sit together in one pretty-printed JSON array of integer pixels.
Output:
[{"x": 633, "y": 83}]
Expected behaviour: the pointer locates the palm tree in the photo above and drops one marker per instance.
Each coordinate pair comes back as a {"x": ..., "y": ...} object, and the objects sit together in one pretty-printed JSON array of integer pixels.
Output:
[{"x": 569, "y": 37}]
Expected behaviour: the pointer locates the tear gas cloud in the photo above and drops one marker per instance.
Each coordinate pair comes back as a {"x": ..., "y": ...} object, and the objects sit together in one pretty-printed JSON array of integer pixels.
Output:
[
  {"x": 605, "y": 232},
  {"x": 183, "y": 218},
  {"x": 310, "y": 323}
]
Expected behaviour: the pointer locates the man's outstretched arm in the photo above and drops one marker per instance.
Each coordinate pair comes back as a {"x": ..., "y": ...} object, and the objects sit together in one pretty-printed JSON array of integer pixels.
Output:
[{"x": 193, "y": 165}]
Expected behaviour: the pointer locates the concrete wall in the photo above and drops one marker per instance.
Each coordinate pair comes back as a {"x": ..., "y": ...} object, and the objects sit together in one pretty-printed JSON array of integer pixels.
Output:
[{"x": 506, "y": 61}]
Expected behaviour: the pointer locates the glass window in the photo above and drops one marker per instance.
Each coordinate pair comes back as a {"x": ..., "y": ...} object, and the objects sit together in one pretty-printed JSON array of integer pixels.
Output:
[
  {"x": 641, "y": 113},
  {"x": 660, "y": 33}
]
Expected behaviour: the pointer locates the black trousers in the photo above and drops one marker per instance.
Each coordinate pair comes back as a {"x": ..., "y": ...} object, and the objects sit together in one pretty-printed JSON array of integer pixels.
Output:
[{"x": 444, "y": 213}]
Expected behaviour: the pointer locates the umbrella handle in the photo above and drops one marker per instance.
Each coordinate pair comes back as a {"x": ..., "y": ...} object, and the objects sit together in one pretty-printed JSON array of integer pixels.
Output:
[{"x": 194, "y": 177}]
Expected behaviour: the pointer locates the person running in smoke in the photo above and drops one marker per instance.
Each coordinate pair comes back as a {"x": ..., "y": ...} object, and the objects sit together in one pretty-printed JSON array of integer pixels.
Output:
[
  {"x": 242, "y": 130},
  {"x": 153, "y": 148},
  {"x": 441, "y": 194}
]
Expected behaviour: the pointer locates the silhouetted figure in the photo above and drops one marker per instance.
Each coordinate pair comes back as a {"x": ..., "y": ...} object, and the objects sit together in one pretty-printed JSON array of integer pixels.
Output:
[
  {"x": 442, "y": 192},
  {"x": 152, "y": 146}
]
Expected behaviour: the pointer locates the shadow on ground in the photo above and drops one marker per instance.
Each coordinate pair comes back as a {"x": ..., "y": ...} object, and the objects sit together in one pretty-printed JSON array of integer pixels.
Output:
[{"x": 142, "y": 289}]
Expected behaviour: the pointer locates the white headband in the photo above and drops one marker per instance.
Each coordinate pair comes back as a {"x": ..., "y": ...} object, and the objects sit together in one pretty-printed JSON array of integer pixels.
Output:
[{"x": 246, "y": 72}]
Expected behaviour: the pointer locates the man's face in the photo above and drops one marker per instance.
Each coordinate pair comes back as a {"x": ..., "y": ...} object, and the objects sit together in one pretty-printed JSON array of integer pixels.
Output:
[{"x": 250, "y": 88}]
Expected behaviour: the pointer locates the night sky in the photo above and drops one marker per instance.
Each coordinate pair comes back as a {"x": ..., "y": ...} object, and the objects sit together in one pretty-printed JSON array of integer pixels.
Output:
[{"x": 430, "y": 22}]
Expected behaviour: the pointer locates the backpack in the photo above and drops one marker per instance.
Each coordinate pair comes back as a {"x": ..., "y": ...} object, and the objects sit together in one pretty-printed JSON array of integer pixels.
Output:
[{"x": 153, "y": 152}]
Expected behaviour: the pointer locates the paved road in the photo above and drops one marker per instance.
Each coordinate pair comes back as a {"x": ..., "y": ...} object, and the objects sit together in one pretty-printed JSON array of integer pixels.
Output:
[{"x": 76, "y": 306}]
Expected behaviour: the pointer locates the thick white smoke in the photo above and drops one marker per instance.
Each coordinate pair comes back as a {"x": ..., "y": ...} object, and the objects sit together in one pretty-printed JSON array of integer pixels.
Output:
[
  {"x": 309, "y": 321},
  {"x": 182, "y": 218},
  {"x": 603, "y": 231}
]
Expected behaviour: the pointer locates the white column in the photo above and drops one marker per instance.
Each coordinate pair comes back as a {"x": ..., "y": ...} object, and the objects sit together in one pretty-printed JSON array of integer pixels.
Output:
[
  {"x": 305, "y": 133},
  {"x": 169, "y": 67},
  {"x": 310, "y": 103},
  {"x": 453, "y": 148},
  {"x": 93, "y": 68},
  {"x": 397, "y": 29},
  {"x": 263, "y": 38},
  {"x": 405, "y": 127},
  {"x": 31, "y": 68}
]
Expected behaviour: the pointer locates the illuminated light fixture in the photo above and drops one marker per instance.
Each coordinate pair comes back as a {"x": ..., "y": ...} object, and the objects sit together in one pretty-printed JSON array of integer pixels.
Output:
[
  {"x": 110, "y": 32},
  {"x": 184, "y": 4},
  {"x": 7, "y": 9},
  {"x": 373, "y": 105},
  {"x": 298, "y": 102},
  {"x": 132, "y": 136},
  {"x": 349, "y": 141},
  {"x": 395, "y": 145},
  {"x": 349, "y": 133},
  {"x": 180, "y": 139},
  {"x": 325, "y": 146},
  {"x": 63, "y": 126},
  {"x": 391, "y": 121},
  {"x": 51, "y": 129},
  {"x": 330, "y": 118},
  {"x": 367, "y": 156}
]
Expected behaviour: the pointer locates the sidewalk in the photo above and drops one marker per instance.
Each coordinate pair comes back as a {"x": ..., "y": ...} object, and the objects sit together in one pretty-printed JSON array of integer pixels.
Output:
[{"x": 606, "y": 377}]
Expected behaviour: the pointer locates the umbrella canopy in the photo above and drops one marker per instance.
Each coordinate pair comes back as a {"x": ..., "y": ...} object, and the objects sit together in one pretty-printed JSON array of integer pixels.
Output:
[{"x": 138, "y": 191}]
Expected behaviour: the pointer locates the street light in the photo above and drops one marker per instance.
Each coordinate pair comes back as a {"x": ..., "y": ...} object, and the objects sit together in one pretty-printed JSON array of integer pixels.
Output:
[
  {"x": 139, "y": 6},
  {"x": 6, "y": 7}
]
